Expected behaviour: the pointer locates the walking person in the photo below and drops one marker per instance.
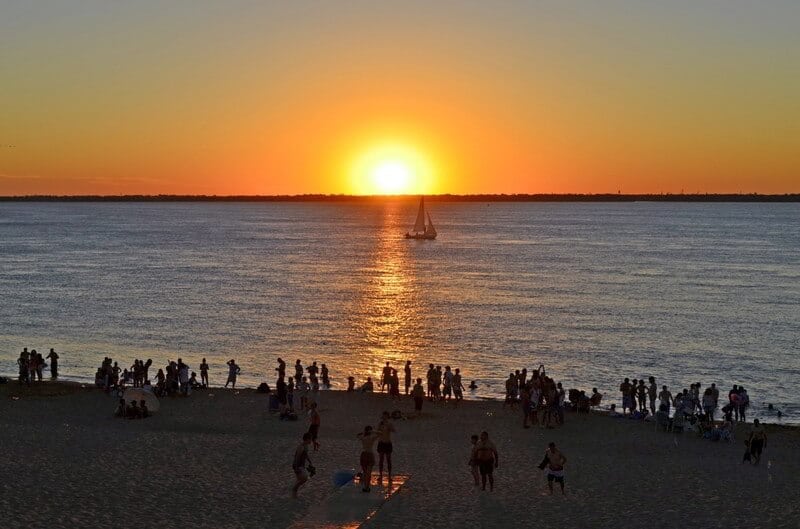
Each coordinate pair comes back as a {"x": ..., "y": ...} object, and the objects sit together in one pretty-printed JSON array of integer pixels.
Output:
[
  {"x": 758, "y": 441},
  {"x": 473, "y": 462},
  {"x": 555, "y": 461},
  {"x": 299, "y": 464},
  {"x": 313, "y": 428},
  {"x": 53, "y": 357},
  {"x": 367, "y": 458},
  {"x": 487, "y": 458}
]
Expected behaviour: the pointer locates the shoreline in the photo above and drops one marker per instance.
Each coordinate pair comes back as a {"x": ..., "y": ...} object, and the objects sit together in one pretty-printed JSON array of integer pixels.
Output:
[{"x": 65, "y": 388}]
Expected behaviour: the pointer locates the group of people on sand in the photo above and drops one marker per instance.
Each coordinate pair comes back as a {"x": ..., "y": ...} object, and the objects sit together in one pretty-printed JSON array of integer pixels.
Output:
[
  {"x": 300, "y": 392},
  {"x": 133, "y": 410},
  {"x": 535, "y": 395},
  {"x": 175, "y": 378},
  {"x": 369, "y": 438},
  {"x": 31, "y": 365}
]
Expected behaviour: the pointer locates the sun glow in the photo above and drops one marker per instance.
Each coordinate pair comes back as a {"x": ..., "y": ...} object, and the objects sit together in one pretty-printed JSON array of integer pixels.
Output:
[{"x": 391, "y": 168}]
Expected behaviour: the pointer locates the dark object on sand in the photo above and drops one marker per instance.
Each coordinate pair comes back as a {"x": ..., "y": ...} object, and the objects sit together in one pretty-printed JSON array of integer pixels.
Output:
[
  {"x": 263, "y": 388},
  {"x": 746, "y": 456}
]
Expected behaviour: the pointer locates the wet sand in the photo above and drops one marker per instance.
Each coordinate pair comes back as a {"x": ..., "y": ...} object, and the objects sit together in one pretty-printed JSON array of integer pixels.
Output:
[{"x": 224, "y": 461}]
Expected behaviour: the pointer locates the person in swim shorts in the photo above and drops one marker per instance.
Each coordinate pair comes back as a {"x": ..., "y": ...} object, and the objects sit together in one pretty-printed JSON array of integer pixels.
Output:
[
  {"x": 487, "y": 459},
  {"x": 555, "y": 467},
  {"x": 385, "y": 430}
]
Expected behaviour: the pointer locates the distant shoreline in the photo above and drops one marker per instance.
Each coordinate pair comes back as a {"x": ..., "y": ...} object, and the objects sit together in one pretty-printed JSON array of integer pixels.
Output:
[{"x": 562, "y": 197}]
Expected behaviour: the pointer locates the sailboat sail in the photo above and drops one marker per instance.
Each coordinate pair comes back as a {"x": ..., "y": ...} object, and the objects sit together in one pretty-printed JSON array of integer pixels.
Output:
[
  {"x": 431, "y": 230},
  {"x": 419, "y": 225}
]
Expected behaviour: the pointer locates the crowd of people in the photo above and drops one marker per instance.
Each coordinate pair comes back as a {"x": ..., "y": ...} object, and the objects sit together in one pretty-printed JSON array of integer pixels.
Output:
[
  {"x": 31, "y": 365},
  {"x": 541, "y": 399}
]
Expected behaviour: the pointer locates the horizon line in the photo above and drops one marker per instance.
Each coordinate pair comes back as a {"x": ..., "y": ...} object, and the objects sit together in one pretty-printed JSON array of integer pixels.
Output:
[{"x": 441, "y": 197}]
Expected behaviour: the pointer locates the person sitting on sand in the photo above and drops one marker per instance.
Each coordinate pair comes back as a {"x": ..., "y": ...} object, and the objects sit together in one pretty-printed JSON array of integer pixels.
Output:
[
  {"x": 367, "y": 459},
  {"x": 143, "y": 411},
  {"x": 473, "y": 461},
  {"x": 368, "y": 387},
  {"x": 193, "y": 383},
  {"x": 612, "y": 412},
  {"x": 418, "y": 394},
  {"x": 133, "y": 411},
  {"x": 299, "y": 463},
  {"x": 487, "y": 458},
  {"x": 385, "y": 448},
  {"x": 233, "y": 372},
  {"x": 555, "y": 467}
]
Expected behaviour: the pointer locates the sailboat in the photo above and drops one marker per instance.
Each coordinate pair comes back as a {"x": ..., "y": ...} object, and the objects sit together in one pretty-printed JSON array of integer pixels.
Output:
[{"x": 421, "y": 230}]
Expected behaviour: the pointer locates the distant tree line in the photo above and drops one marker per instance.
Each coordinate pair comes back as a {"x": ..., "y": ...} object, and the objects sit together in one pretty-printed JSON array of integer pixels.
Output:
[{"x": 563, "y": 197}]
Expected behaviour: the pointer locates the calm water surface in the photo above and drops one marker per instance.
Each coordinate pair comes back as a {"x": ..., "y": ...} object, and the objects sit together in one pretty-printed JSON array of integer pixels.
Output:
[{"x": 684, "y": 292}]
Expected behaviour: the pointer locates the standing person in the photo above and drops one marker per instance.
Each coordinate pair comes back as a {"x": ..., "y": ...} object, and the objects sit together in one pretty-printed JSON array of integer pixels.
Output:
[
  {"x": 473, "y": 462},
  {"x": 458, "y": 386},
  {"x": 708, "y": 404},
  {"x": 408, "y": 375},
  {"x": 555, "y": 466},
  {"x": 744, "y": 402},
  {"x": 525, "y": 404},
  {"x": 298, "y": 370},
  {"x": 281, "y": 369},
  {"x": 418, "y": 394},
  {"x": 641, "y": 395},
  {"x": 367, "y": 459},
  {"x": 625, "y": 389},
  {"x": 758, "y": 441},
  {"x": 33, "y": 365},
  {"x": 665, "y": 399},
  {"x": 394, "y": 385},
  {"x": 733, "y": 399},
  {"x": 715, "y": 394},
  {"x": 53, "y": 357},
  {"x": 204, "y": 373},
  {"x": 487, "y": 458},
  {"x": 326, "y": 381},
  {"x": 289, "y": 393},
  {"x": 652, "y": 394},
  {"x": 385, "y": 448},
  {"x": 430, "y": 376},
  {"x": 386, "y": 375},
  {"x": 282, "y": 394},
  {"x": 183, "y": 377},
  {"x": 233, "y": 372},
  {"x": 314, "y": 423},
  {"x": 22, "y": 362},
  {"x": 299, "y": 464},
  {"x": 447, "y": 392}
]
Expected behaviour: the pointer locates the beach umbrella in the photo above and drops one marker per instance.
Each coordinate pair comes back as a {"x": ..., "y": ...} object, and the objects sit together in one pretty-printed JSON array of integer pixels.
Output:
[{"x": 138, "y": 394}]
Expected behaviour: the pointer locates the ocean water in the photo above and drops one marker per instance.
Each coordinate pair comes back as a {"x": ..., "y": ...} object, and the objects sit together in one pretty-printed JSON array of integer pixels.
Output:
[{"x": 686, "y": 292}]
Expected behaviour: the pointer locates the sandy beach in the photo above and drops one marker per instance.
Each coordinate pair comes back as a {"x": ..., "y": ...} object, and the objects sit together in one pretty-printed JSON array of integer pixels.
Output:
[{"x": 220, "y": 459}]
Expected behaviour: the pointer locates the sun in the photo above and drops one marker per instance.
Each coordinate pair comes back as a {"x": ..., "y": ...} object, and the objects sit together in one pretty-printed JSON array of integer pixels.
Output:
[
  {"x": 391, "y": 168},
  {"x": 391, "y": 176}
]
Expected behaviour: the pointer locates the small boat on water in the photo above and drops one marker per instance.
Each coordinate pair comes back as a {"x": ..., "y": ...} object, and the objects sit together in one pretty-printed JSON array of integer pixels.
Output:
[{"x": 422, "y": 231}]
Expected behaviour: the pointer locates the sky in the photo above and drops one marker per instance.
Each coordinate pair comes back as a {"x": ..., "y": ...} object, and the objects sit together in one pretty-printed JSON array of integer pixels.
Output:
[{"x": 258, "y": 97}]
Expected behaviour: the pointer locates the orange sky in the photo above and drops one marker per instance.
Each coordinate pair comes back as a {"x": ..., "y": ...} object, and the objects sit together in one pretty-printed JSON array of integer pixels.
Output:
[{"x": 287, "y": 98}]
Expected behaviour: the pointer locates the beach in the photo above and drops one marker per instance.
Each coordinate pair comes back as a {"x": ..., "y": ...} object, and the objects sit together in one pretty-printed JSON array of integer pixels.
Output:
[{"x": 219, "y": 459}]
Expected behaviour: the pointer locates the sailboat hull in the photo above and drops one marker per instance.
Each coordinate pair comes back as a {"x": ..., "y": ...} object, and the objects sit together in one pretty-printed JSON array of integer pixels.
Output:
[{"x": 421, "y": 236}]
